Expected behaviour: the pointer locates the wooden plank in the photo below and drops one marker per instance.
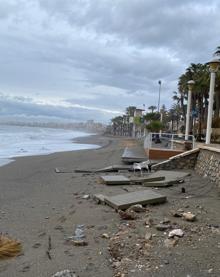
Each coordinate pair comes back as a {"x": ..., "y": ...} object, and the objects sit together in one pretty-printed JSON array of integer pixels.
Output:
[
  {"x": 115, "y": 180},
  {"x": 143, "y": 197}
]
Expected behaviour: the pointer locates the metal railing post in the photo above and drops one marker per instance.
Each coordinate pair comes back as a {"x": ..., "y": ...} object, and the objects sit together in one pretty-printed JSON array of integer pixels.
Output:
[{"x": 172, "y": 142}]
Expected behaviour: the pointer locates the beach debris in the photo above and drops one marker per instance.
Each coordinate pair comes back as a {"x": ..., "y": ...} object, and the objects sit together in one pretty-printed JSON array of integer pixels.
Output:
[
  {"x": 25, "y": 267},
  {"x": 61, "y": 170},
  {"x": 138, "y": 208},
  {"x": 99, "y": 198},
  {"x": 78, "y": 238},
  {"x": 133, "y": 154},
  {"x": 171, "y": 242},
  {"x": 127, "y": 215},
  {"x": 176, "y": 213},
  {"x": 148, "y": 236},
  {"x": 115, "y": 180},
  {"x": 189, "y": 216},
  {"x": 79, "y": 242},
  {"x": 162, "y": 227},
  {"x": 9, "y": 247},
  {"x": 149, "y": 222},
  {"x": 86, "y": 196},
  {"x": 79, "y": 232},
  {"x": 105, "y": 236},
  {"x": 176, "y": 233},
  {"x": 143, "y": 197},
  {"x": 165, "y": 221},
  {"x": 147, "y": 179},
  {"x": 49, "y": 248},
  {"x": 65, "y": 273},
  {"x": 169, "y": 178},
  {"x": 36, "y": 245}
]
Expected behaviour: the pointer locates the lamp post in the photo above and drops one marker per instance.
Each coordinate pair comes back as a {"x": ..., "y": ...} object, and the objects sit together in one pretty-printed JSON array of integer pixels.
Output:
[
  {"x": 213, "y": 68},
  {"x": 158, "y": 106},
  {"x": 190, "y": 84}
]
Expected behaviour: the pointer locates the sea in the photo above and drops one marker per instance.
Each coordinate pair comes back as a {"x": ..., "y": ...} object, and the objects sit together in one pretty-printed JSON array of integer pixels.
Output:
[{"x": 20, "y": 141}]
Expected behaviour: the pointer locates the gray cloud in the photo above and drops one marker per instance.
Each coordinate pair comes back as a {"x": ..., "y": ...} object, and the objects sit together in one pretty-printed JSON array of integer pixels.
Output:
[{"x": 106, "y": 54}]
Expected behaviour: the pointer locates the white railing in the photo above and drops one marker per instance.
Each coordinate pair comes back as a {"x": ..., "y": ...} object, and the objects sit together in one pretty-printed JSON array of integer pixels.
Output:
[{"x": 169, "y": 141}]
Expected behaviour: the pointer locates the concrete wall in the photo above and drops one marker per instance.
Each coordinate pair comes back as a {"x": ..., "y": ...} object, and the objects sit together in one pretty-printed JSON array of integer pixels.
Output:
[
  {"x": 186, "y": 160},
  {"x": 208, "y": 163},
  {"x": 205, "y": 160}
]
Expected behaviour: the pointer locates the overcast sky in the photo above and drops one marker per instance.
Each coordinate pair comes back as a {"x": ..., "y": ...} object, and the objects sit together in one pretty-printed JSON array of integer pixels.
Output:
[{"x": 84, "y": 59}]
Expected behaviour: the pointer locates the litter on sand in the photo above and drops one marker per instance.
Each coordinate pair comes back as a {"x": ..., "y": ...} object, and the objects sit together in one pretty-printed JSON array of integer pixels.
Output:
[{"x": 9, "y": 247}]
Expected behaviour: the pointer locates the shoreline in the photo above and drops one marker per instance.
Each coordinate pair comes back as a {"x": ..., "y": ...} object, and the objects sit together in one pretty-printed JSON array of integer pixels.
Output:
[{"x": 89, "y": 139}]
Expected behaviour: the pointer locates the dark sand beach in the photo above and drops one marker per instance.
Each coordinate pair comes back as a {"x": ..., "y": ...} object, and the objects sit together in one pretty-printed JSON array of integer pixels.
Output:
[{"x": 36, "y": 203}]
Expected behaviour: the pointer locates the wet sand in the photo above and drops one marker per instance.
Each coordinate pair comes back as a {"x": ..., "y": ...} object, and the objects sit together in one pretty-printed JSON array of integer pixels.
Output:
[{"x": 36, "y": 203}]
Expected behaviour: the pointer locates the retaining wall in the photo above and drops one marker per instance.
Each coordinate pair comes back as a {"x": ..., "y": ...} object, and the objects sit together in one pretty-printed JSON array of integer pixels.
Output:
[
  {"x": 205, "y": 160},
  {"x": 186, "y": 160},
  {"x": 208, "y": 163}
]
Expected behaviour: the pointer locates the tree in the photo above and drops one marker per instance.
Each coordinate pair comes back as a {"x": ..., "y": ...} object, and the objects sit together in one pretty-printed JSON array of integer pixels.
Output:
[
  {"x": 155, "y": 126},
  {"x": 130, "y": 110},
  {"x": 200, "y": 74},
  {"x": 217, "y": 51},
  {"x": 152, "y": 108}
]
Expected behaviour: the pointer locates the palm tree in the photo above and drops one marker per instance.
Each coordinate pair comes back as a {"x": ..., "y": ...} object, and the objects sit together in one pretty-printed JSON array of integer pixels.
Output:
[
  {"x": 200, "y": 74},
  {"x": 217, "y": 51},
  {"x": 152, "y": 108}
]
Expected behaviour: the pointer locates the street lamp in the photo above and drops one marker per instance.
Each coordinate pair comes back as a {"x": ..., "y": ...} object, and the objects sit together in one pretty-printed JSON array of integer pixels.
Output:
[
  {"x": 213, "y": 68},
  {"x": 158, "y": 106},
  {"x": 190, "y": 84}
]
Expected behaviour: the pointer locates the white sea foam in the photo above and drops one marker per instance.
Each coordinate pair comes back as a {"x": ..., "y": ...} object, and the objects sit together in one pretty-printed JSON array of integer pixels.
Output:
[{"x": 16, "y": 141}]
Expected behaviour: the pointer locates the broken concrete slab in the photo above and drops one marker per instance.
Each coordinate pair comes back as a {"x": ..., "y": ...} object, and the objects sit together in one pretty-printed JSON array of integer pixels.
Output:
[
  {"x": 143, "y": 197},
  {"x": 134, "y": 154},
  {"x": 171, "y": 178},
  {"x": 115, "y": 168},
  {"x": 170, "y": 175},
  {"x": 115, "y": 180},
  {"x": 99, "y": 198},
  {"x": 147, "y": 179},
  {"x": 162, "y": 183}
]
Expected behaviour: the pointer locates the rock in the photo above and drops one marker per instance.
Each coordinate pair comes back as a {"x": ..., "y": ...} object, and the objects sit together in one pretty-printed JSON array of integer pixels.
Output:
[
  {"x": 127, "y": 215},
  {"x": 79, "y": 242},
  {"x": 162, "y": 227},
  {"x": 176, "y": 233},
  {"x": 65, "y": 273},
  {"x": 165, "y": 221},
  {"x": 116, "y": 264},
  {"x": 194, "y": 230},
  {"x": 170, "y": 242},
  {"x": 149, "y": 222},
  {"x": 105, "y": 236},
  {"x": 189, "y": 216},
  {"x": 148, "y": 236},
  {"x": 176, "y": 213},
  {"x": 99, "y": 198},
  {"x": 86, "y": 196},
  {"x": 137, "y": 208},
  {"x": 36, "y": 245}
]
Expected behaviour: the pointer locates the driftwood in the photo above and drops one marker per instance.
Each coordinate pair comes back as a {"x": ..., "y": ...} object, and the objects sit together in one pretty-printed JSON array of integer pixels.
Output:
[{"x": 49, "y": 248}]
